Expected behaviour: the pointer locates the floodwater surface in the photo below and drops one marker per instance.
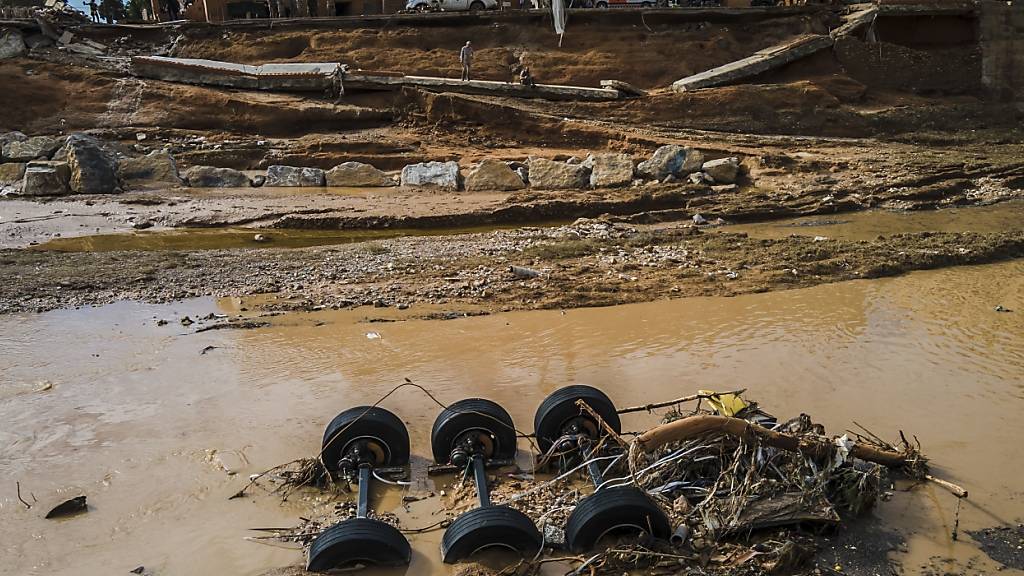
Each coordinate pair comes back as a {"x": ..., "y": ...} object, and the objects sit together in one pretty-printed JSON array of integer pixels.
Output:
[{"x": 106, "y": 402}]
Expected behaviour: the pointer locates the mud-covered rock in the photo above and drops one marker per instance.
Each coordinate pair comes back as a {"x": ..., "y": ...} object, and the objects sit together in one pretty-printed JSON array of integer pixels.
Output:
[
  {"x": 93, "y": 169},
  {"x": 45, "y": 178},
  {"x": 723, "y": 170},
  {"x": 294, "y": 176},
  {"x": 13, "y": 136},
  {"x": 670, "y": 159},
  {"x": 443, "y": 175},
  {"x": 154, "y": 169},
  {"x": 11, "y": 173},
  {"x": 492, "y": 174},
  {"x": 357, "y": 174},
  {"x": 12, "y": 44},
  {"x": 551, "y": 175},
  {"x": 34, "y": 148},
  {"x": 610, "y": 170},
  {"x": 211, "y": 177}
]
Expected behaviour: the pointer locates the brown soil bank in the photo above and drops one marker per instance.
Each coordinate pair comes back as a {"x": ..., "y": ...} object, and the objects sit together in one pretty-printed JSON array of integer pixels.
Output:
[
  {"x": 591, "y": 263},
  {"x": 649, "y": 51}
]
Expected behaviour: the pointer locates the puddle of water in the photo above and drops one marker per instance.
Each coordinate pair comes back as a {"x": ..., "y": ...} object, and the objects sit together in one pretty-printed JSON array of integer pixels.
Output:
[
  {"x": 134, "y": 406},
  {"x": 1002, "y": 217},
  {"x": 226, "y": 238}
]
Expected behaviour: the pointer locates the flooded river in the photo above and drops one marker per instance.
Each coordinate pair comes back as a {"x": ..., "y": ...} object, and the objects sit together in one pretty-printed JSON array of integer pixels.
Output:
[{"x": 108, "y": 403}]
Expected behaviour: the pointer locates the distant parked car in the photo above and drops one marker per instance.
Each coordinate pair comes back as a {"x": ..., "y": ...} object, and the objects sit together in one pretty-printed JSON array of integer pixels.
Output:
[{"x": 450, "y": 5}]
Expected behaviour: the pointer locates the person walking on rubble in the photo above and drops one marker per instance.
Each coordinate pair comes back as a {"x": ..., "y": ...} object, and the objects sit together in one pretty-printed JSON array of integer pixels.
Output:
[
  {"x": 466, "y": 58},
  {"x": 94, "y": 11}
]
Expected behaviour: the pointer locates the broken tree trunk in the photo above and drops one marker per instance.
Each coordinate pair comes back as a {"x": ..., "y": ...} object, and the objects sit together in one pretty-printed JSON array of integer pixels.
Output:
[{"x": 693, "y": 426}]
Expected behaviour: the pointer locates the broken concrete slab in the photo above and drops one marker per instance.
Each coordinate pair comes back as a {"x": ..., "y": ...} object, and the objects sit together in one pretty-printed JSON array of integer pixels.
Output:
[
  {"x": 382, "y": 81},
  {"x": 624, "y": 88},
  {"x": 11, "y": 173},
  {"x": 294, "y": 176},
  {"x": 670, "y": 159},
  {"x": 443, "y": 175},
  {"x": 357, "y": 175},
  {"x": 212, "y": 177},
  {"x": 493, "y": 175},
  {"x": 156, "y": 169},
  {"x": 762, "y": 61},
  {"x": 290, "y": 76}
]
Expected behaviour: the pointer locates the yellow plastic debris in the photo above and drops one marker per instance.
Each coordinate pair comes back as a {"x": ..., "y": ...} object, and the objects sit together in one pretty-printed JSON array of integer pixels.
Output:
[{"x": 725, "y": 404}]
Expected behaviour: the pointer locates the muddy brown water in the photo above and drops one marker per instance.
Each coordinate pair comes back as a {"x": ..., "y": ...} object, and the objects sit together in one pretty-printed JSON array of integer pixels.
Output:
[{"x": 132, "y": 409}]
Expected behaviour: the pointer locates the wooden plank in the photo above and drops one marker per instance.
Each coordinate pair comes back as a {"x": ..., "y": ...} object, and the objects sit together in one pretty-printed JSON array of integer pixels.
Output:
[{"x": 762, "y": 61}]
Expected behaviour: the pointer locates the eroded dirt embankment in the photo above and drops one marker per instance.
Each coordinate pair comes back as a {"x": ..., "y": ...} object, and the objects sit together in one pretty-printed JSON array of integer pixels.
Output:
[{"x": 591, "y": 263}]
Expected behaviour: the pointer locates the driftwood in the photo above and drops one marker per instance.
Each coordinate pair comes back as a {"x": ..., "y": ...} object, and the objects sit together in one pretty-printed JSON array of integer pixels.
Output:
[{"x": 690, "y": 427}]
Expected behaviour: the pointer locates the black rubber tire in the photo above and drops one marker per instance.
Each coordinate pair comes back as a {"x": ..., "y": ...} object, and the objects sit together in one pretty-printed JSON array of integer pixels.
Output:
[
  {"x": 560, "y": 406},
  {"x": 473, "y": 414},
  {"x": 601, "y": 5},
  {"x": 604, "y": 510},
  {"x": 490, "y": 526},
  {"x": 477, "y": 7},
  {"x": 358, "y": 540},
  {"x": 377, "y": 423}
]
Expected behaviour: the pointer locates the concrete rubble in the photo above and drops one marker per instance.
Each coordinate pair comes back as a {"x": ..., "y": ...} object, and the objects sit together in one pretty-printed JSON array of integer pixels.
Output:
[
  {"x": 670, "y": 159},
  {"x": 156, "y": 169},
  {"x": 723, "y": 170},
  {"x": 212, "y": 177},
  {"x": 610, "y": 170},
  {"x": 93, "y": 169},
  {"x": 46, "y": 178},
  {"x": 552, "y": 175}
]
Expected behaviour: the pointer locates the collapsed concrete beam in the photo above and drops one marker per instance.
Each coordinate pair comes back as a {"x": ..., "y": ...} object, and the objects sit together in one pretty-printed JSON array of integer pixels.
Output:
[
  {"x": 767, "y": 59},
  {"x": 377, "y": 81},
  {"x": 286, "y": 77}
]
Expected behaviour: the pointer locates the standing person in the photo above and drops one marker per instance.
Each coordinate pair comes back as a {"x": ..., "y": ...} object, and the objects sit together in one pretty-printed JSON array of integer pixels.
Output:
[
  {"x": 466, "y": 58},
  {"x": 173, "y": 9},
  {"x": 94, "y": 10}
]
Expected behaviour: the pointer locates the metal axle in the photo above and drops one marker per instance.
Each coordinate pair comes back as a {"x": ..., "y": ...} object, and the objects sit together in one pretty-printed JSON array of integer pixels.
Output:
[
  {"x": 480, "y": 477},
  {"x": 364, "y": 490}
]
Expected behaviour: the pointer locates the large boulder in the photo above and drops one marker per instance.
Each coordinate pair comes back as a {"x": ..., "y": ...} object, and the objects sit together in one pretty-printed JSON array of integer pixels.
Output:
[
  {"x": 357, "y": 175},
  {"x": 443, "y": 175},
  {"x": 671, "y": 159},
  {"x": 210, "y": 177},
  {"x": 294, "y": 176},
  {"x": 550, "y": 175},
  {"x": 156, "y": 169},
  {"x": 93, "y": 169},
  {"x": 12, "y": 136},
  {"x": 46, "y": 179},
  {"x": 493, "y": 175},
  {"x": 723, "y": 170},
  {"x": 610, "y": 170},
  {"x": 34, "y": 148},
  {"x": 12, "y": 44}
]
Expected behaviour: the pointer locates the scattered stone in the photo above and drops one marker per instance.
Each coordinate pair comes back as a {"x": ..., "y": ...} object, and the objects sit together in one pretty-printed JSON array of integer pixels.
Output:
[
  {"x": 186, "y": 321},
  {"x": 12, "y": 44},
  {"x": 293, "y": 176},
  {"x": 34, "y": 148},
  {"x": 1001, "y": 308},
  {"x": 550, "y": 175},
  {"x": 610, "y": 170},
  {"x": 154, "y": 169},
  {"x": 491, "y": 174},
  {"x": 523, "y": 272},
  {"x": 357, "y": 175},
  {"x": 142, "y": 224},
  {"x": 75, "y": 505},
  {"x": 572, "y": 160},
  {"x": 699, "y": 220},
  {"x": 670, "y": 159},
  {"x": 140, "y": 136},
  {"x": 46, "y": 179},
  {"x": 258, "y": 180},
  {"x": 699, "y": 178},
  {"x": 93, "y": 169},
  {"x": 725, "y": 188},
  {"x": 260, "y": 238},
  {"x": 211, "y": 177},
  {"x": 443, "y": 175},
  {"x": 723, "y": 170},
  {"x": 14, "y": 136}
]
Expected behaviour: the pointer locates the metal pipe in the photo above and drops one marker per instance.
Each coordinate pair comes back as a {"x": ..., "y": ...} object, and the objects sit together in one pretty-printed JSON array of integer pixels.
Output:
[
  {"x": 364, "y": 490},
  {"x": 480, "y": 476},
  {"x": 595, "y": 473}
]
